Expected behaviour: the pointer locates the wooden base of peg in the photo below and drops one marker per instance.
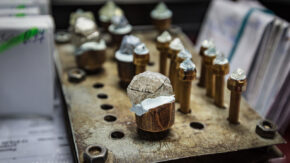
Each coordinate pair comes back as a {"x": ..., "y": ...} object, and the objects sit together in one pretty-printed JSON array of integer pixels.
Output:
[{"x": 157, "y": 119}]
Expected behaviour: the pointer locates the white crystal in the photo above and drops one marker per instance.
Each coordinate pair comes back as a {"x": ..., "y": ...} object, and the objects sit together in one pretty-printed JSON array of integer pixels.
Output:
[
  {"x": 80, "y": 13},
  {"x": 109, "y": 10},
  {"x": 91, "y": 46},
  {"x": 184, "y": 54},
  {"x": 141, "y": 49},
  {"x": 151, "y": 103},
  {"x": 210, "y": 52},
  {"x": 85, "y": 26},
  {"x": 164, "y": 37},
  {"x": 176, "y": 44},
  {"x": 220, "y": 60},
  {"x": 207, "y": 43},
  {"x": 239, "y": 74},
  {"x": 187, "y": 65},
  {"x": 101, "y": 45},
  {"x": 120, "y": 25},
  {"x": 123, "y": 57},
  {"x": 128, "y": 44},
  {"x": 161, "y": 12}
]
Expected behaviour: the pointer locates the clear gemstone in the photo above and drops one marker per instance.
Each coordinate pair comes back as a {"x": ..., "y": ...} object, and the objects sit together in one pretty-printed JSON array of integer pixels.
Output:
[
  {"x": 109, "y": 10},
  {"x": 161, "y": 7},
  {"x": 187, "y": 65},
  {"x": 128, "y": 44},
  {"x": 119, "y": 21},
  {"x": 161, "y": 12},
  {"x": 176, "y": 44},
  {"x": 164, "y": 37},
  {"x": 85, "y": 26},
  {"x": 184, "y": 54},
  {"x": 141, "y": 49},
  {"x": 220, "y": 60},
  {"x": 207, "y": 43},
  {"x": 211, "y": 52},
  {"x": 239, "y": 74}
]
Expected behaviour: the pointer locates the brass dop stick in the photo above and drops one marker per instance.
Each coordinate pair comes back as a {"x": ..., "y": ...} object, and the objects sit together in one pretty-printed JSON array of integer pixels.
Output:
[
  {"x": 141, "y": 58},
  {"x": 237, "y": 83},
  {"x": 187, "y": 73}
]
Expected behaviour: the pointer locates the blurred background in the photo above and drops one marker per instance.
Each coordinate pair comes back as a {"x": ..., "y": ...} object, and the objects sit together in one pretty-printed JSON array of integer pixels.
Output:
[{"x": 188, "y": 14}]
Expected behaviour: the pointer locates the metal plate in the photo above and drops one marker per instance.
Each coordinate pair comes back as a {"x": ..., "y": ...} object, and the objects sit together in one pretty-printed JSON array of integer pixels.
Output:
[{"x": 89, "y": 127}]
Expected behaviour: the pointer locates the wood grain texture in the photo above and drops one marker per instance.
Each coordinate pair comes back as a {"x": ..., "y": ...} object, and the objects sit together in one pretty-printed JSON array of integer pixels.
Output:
[
  {"x": 89, "y": 127},
  {"x": 157, "y": 119}
]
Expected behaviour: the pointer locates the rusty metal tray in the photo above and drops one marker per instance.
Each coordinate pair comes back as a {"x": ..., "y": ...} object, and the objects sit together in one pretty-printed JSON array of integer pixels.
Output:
[{"x": 202, "y": 132}]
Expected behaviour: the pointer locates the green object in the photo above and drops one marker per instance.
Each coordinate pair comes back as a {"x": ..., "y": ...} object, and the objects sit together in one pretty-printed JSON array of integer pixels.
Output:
[
  {"x": 21, "y": 6},
  {"x": 18, "y": 39},
  {"x": 20, "y": 15}
]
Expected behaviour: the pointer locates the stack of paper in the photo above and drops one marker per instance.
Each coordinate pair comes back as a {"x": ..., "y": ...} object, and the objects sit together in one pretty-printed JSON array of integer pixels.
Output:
[
  {"x": 35, "y": 139},
  {"x": 256, "y": 40}
]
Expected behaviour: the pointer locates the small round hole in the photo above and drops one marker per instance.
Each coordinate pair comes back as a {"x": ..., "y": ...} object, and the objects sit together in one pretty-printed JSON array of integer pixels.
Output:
[
  {"x": 98, "y": 85},
  {"x": 95, "y": 150},
  {"x": 107, "y": 106},
  {"x": 110, "y": 118},
  {"x": 151, "y": 63},
  {"x": 117, "y": 135},
  {"x": 196, "y": 125},
  {"x": 102, "y": 96}
]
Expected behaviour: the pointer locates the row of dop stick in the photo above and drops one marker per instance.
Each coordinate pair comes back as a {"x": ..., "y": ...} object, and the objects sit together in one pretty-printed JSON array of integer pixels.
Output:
[
  {"x": 214, "y": 68},
  {"x": 182, "y": 70}
]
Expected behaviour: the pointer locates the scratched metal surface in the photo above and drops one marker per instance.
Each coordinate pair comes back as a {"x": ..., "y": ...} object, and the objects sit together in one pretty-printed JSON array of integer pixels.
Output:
[{"x": 89, "y": 127}]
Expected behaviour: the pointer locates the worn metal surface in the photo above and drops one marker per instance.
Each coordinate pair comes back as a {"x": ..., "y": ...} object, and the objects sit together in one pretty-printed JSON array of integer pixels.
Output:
[{"x": 89, "y": 127}]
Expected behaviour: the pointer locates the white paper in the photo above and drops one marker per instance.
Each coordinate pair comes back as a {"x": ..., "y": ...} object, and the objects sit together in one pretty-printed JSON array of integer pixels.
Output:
[{"x": 34, "y": 139}]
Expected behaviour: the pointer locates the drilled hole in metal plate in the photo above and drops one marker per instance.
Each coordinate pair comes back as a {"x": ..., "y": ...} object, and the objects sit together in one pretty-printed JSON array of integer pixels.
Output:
[
  {"x": 110, "y": 118},
  {"x": 98, "y": 85},
  {"x": 95, "y": 150},
  {"x": 102, "y": 96},
  {"x": 107, "y": 106},
  {"x": 196, "y": 125},
  {"x": 117, "y": 135},
  {"x": 151, "y": 63}
]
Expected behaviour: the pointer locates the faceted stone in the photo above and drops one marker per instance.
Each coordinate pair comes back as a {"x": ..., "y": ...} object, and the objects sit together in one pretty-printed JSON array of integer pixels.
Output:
[
  {"x": 187, "y": 65},
  {"x": 148, "y": 85},
  {"x": 238, "y": 74}
]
